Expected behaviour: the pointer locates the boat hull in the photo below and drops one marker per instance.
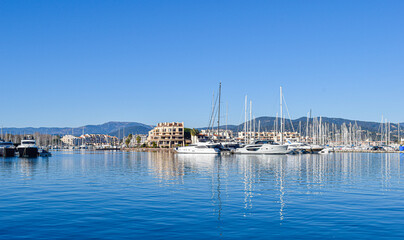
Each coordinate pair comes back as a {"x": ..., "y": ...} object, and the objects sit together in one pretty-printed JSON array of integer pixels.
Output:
[
  {"x": 7, "y": 152},
  {"x": 186, "y": 150},
  {"x": 264, "y": 149},
  {"x": 196, "y": 152},
  {"x": 28, "y": 152}
]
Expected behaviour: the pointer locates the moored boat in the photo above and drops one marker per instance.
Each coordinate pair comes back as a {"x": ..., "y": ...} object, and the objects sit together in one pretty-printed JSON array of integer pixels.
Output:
[
  {"x": 7, "y": 149},
  {"x": 263, "y": 147},
  {"x": 28, "y": 148},
  {"x": 303, "y": 147},
  {"x": 44, "y": 153},
  {"x": 200, "y": 148}
]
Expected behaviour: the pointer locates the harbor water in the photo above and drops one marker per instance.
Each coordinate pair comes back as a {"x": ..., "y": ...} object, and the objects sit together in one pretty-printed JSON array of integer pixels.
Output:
[{"x": 127, "y": 195}]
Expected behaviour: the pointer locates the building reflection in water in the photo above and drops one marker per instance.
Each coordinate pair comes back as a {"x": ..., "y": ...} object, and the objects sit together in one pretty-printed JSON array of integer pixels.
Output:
[
  {"x": 166, "y": 166},
  {"x": 245, "y": 179}
]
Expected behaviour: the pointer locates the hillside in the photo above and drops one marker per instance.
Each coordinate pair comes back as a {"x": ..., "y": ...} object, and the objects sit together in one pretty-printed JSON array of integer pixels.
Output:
[
  {"x": 120, "y": 128},
  {"x": 111, "y": 128},
  {"x": 267, "y": 124}
]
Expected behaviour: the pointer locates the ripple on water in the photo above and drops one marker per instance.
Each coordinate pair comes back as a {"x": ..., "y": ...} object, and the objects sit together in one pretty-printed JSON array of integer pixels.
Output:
[{"x": 160, "y": 195}]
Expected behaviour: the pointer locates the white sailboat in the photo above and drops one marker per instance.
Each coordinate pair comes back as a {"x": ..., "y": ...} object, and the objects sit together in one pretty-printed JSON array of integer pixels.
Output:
[{"x": 205, "y": 147}]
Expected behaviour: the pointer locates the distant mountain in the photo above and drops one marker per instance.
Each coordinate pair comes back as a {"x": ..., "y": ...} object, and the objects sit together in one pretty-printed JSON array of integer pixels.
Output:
[
  {"x": 111, "y": 128},
  {"x": 131, "y": 130},
  {"x": 266, "y": 124}
]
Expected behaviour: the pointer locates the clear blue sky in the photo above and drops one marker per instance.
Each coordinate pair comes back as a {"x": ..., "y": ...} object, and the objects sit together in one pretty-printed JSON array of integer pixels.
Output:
[{"x": 71, "y": 63}]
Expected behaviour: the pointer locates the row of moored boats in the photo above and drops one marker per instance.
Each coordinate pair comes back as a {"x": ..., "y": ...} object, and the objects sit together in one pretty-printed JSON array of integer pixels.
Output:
[
  {"x": 27, "y": 149},
  {"x": 257, "y": 147}
]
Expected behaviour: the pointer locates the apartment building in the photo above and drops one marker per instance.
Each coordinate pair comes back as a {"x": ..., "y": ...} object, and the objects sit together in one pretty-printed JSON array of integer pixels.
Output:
[{"x": 167, "y": 135}]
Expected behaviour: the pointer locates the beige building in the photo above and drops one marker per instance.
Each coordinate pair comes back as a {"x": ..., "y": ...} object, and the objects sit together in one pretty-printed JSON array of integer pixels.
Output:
[
  {"x": 167, "y": 135},
  {"x": 69, "y": 140}
]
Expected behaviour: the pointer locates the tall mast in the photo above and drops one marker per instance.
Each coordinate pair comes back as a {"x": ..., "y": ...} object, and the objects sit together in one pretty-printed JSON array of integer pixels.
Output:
[
  {"x": 227, "y": 114},
  {"x": 276, "y": 124},
  {"x": 254, "y": 128},
  {"x": 259, "y": 129},
  {"x": 281, "y": 116},
  {"x": 307, "y": 128},
  {"x": 218, "y": 112},
  {"x": 250, "y": 132},
  {"x": 245, "y": 120},
  {"x": 300, "y": 130},
  {"x": 212, "y": 117}
]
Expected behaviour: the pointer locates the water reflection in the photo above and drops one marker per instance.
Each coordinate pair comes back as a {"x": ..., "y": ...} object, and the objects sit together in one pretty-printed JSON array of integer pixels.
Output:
[
  {"x": 26, "y": 167},
  {"x": 244, "y": 182},
  {"x": 278, "y": 176}
]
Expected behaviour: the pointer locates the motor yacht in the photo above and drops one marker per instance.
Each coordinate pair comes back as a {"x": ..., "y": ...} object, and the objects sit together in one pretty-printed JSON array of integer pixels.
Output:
[
  {"x": 7, "y": 149},
  {"x": 263, "y": 147},
  {"x": 28, "y": 148},
  {"x": 200, "y": 148},
  {"x": 298, "y": 146}
]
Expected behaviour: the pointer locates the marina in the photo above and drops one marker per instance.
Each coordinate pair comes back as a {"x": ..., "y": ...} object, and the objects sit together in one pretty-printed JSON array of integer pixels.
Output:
[
  {"x": 201, "y": 120},
  {"x": 166, "y": 195}
]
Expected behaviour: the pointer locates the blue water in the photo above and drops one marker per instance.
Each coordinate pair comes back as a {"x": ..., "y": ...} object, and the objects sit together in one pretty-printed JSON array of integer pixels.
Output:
[{"x": 106, "y": 195}]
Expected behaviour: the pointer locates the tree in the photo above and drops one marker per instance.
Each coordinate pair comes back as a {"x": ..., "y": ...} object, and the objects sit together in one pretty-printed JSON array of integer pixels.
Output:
[
  {"x": 154, "y": 144},
  {"x": 194, "y": 132},
  {"x": 187, "y": 133},
  {"x": 138, "y": 139},
  {"x": 128, "y": 140}
]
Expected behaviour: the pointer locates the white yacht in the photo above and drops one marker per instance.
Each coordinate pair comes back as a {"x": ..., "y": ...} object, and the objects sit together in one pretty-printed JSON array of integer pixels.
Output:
[
  {"x": 28, "y": 148},
  {"x": 200, "y": 148},
  {"x": 83, "y": 146},
  {"x": 298, "y": 146},
  {"x": 263, "y": 147}
]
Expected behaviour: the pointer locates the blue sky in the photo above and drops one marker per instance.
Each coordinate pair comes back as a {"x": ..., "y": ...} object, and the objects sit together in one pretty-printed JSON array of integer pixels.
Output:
[{"x": 71, "y": 63}]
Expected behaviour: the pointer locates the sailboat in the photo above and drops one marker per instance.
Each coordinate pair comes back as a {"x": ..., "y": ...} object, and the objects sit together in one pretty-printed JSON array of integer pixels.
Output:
[
  {"x": 266, "y": 147},
  {"x": 208, "y": 147}
]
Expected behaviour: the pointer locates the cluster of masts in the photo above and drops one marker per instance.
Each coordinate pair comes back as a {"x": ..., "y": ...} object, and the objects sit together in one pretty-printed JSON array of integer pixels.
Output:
[{"x": 313, "y": 131}]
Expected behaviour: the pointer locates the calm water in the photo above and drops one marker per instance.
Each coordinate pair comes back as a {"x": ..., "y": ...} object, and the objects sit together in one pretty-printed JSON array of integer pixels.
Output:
[{"x": 155, "y": 195}]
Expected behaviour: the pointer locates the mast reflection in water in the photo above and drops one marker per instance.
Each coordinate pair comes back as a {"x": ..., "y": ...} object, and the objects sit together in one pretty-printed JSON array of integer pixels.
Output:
[{"x": 164, "y": 195}]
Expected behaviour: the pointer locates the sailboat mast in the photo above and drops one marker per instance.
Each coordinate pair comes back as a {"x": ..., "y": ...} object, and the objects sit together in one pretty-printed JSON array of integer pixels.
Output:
[
  {"x": 259, "y": 129},
  {"x": 212, "y": 117},
  {"x": 218, "y": 112},
  {"x": 227, "y": 114},
  {"x": 245, "y": 120},
  {"x": 281, "y": 116},
  {"x": 250, "y": 130}
]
